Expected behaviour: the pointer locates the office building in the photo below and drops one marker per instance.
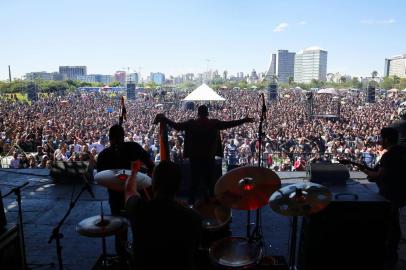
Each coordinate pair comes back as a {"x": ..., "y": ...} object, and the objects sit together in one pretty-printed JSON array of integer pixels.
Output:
[
  {"x": 310, "y": 64},
  {"x": 396, "y": 66},
  {"x": 41, "y": 75},
  {"x": 158, "y": 78},
  {"x": 96, "y": 78},
  {"x": 272, "y": 67},
  {"x": 72, "y": 72},
  {"x": 285, "y": 65},
  {"x": 120, "y": 76}
]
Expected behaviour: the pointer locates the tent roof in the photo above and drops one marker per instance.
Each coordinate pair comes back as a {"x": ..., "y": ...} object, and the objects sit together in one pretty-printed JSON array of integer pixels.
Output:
[
  {"x": 330, "y": 91},
  {"x": 203, "y": 93}
]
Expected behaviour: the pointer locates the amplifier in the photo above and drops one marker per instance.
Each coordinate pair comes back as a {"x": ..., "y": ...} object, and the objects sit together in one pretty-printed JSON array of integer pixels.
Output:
[
  {"x": 349, "y": 234},
  {"x": 328, "y": 173},
  {"x": 10, "y": 248}
]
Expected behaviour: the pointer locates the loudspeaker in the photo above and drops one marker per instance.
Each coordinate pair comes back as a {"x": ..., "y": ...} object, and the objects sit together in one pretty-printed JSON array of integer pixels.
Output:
[
  {"x": 370, "y": 97},
  {"x": 130, "y": 91},
  {"x": 189, "y": 105},
  {"x": 69, "y": 172},
  {"x": 272, "y": 91},
  {"x": 346, "y": 235},
  {"x": 31, "y": 92},
  {"x": 10, "y": 248},
  {"x": 328, "y": 173}
]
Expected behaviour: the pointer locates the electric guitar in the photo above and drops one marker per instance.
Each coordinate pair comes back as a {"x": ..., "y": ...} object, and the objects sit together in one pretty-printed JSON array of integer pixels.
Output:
[{"x": 361, "y": 166}]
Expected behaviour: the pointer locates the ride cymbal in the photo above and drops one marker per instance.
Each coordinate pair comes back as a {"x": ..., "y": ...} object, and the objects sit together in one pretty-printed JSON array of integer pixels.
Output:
[
  {"x": 96, "y": 227},
  {"x": 300, "y": 199},
  {"x": 246, "y": 188}
]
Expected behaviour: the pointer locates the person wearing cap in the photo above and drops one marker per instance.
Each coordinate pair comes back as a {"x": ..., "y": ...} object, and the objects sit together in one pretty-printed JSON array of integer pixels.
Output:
[{"x": 202, "y": 144}]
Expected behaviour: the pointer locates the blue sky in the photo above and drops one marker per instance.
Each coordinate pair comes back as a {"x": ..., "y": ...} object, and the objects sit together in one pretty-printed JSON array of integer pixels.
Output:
[{"x": 179, "y": 36}]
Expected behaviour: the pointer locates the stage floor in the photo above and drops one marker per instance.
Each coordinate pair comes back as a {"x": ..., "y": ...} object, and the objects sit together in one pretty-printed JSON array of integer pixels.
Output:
[{"x": 44, "y": 204}]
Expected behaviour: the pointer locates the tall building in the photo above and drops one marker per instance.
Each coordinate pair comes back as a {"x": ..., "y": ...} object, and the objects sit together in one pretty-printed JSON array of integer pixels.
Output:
[
  {"x": 311, "y": 63},
  {"x": 120, "y": 76},
  {"x": 272, "y": 67},
  {"x": 396, "y": 66},
  {"x": 285, "y": 67},
  {"x": 72, "y": 72},
  {"x": 98, "y": 78},
  {"x": 41, "y": 75},
  {"x": 158, "y": 78}
]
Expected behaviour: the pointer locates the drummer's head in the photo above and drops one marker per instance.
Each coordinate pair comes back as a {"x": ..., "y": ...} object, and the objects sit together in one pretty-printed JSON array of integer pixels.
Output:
[
  {"x": 116, "y": 134},
  {"x": 166, "y": 179}
]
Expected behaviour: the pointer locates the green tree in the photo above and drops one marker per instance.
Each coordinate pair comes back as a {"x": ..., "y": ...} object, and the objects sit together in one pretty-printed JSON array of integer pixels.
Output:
[
  {"x": 387, "y": 83},
  {"x": 343, "y": 79},
  {"x": 396, "y": 79},
  {"x": 290, "y": 80},
  {"x": 374, "y": 74},
  {"x": 114, "y": 84},
  {"x": 355, "y": 83}
]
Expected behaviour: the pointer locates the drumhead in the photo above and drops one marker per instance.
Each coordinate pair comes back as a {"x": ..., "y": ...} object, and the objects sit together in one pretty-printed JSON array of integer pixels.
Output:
[
  {"x": 214, "y": 216},
  {"x": 235, "y": 252}
]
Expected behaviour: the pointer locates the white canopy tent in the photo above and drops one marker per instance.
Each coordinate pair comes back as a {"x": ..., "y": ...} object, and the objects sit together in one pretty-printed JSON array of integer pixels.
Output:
[
  {"x": 203, "y": 93},
  {"x": 330, "y": 91}
]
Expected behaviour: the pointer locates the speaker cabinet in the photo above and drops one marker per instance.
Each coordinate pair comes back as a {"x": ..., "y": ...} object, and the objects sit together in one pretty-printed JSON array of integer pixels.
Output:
[
  {"x": 328, "y": 173},
  {"x": 347, "y": 235},
  {"x": 10, "y": 248}
]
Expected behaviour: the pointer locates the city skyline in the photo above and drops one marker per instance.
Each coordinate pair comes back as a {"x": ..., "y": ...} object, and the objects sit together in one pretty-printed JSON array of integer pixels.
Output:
[{"x": 178, "y": 37}]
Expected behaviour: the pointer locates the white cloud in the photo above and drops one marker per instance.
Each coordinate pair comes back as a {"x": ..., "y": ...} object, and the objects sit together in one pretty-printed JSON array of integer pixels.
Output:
[
  {"x": 281, "y": 27},
  {"x": 387, "y": 21},
  {"x": 302, "y": 22}
]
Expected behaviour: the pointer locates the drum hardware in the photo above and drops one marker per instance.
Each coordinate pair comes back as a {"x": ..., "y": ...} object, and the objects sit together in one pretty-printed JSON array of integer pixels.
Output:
[
  {"x": 298, "y": 200},
  {"x": 56, "y": 230},
  {"x": 245, "y": 188},
  {"x": 102, "y": 226}
]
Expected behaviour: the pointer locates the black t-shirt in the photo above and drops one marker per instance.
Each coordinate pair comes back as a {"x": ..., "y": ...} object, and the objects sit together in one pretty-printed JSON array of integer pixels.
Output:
[
  {"x": 393, "y": 183},
  {"x": 120, "y": 157},
  {"x": 166, "y": 234}
]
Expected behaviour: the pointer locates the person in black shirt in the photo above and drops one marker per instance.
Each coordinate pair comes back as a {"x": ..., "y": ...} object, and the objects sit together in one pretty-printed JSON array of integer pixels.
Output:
[
  {"x": 202, "y": 144},
  {"x": 400, "y": 126},
  {"x": 166, "y": 234},
  {"x": 390, "y": 178},
  {"x": 119, "y": 155}
]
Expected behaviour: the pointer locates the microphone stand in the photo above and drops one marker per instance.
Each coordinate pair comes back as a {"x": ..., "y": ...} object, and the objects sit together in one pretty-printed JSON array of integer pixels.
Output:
[
  {"x": 17, "y": 192},
  {"x": 56, "y": 231},
  {"x": 257, "y": 232}
]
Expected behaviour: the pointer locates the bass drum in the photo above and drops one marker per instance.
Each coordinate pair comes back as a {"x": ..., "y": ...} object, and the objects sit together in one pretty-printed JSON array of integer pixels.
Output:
[{"x": 215, "y": 221}]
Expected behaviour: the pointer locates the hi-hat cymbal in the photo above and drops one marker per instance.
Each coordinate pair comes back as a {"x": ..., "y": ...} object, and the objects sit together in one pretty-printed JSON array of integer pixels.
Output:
[
  {"x": 246, "y": 188},
  {"x": 95, "y": 227},
  {"x": 300, "y": 199},
  {"x": 115, "y": 179}
]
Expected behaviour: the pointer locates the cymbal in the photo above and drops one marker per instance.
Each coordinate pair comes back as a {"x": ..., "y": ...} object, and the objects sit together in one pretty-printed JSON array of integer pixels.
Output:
[
  {"x": 95, "y": 227},
  {"x": 115, "y": 179},
  {"x": 246, "y": 188},
  {"x": 300, "y": 199}
]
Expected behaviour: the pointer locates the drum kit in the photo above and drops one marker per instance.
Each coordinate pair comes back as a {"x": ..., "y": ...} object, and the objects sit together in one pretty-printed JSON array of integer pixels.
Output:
[{"x": 245, "y": 188}]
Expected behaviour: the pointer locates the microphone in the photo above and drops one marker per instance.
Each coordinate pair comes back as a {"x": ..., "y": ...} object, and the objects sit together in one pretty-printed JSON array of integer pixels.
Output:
[{"x": 88, "y": 186}]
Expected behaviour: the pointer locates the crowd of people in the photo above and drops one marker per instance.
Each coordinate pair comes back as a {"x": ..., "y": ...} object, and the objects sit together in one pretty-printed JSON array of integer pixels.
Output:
[{"x": 75, "y": 127}]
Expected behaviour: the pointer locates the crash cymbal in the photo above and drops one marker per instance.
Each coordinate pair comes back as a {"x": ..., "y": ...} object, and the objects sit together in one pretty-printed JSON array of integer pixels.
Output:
[
  {"x": 214, "y": 215},
  {"x": 95, "y": 227},
  {"x": 246, "y": 188},
  {"x": 300, "y": 199},
  {"x": 115, "y": 179}
]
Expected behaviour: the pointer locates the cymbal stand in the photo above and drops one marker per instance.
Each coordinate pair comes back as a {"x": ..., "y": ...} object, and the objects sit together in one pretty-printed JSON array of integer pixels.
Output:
[
  {"x": 293, "y": 236},
  {"x": 56, "y": 231},
  {"x": 17, "y": 192},
  {"x": 257, "y": 232}
]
